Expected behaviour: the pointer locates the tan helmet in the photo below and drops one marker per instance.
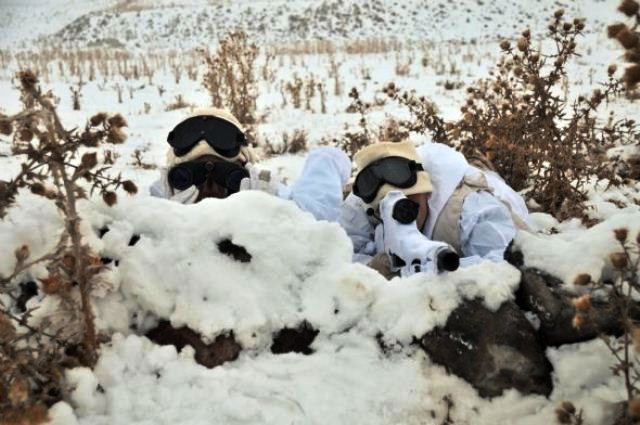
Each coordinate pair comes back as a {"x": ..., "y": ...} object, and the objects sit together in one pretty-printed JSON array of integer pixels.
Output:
[
  {"x": 246, "y": 154},
  {"x": 406, "y": 149}
]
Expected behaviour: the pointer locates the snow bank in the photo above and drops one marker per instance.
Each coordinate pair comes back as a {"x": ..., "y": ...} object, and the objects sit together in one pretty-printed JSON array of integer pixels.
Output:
[
  {"x": 300, "y": 269},
  {"x": 568, "y": 254}
]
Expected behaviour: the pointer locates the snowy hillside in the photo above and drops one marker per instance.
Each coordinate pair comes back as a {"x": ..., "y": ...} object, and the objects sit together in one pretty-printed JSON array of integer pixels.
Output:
[{"x": 187, "y": 24}]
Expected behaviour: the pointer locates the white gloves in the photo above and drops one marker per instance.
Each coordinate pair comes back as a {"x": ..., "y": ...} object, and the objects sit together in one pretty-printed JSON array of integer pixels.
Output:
[
  {"x": 260, "y": 180},
  {"x": 409, "y": 250},
  {"x": 161, "y": 189}
]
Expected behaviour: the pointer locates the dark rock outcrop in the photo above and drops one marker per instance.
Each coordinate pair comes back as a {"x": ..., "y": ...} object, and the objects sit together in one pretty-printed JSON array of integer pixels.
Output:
[
  {"x": 493, "y": 351},
  {"x": 237, "y": 252},
  {"x": 222, "y": 350},
  {"x": 294, "y": 340},
  {"x": 542, "y": 294}
]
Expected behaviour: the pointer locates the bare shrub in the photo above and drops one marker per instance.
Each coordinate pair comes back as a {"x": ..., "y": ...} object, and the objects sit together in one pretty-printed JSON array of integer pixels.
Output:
[
  {"x": 425, "y": 116},
  {"x": 392, "y": 131},
  {"x": 294, "y": 88},
  {"x": 138, "y": 161},
  {"x": 566, "y": 413},
  {"x": 537, "y": 138},
  {"x": 178, "y": 103},
  {"x": 76, "y": 95},
  {"x": 293, "y": 143},
  {"x": 230, "y": 76},
  {"x": 32, "y": 355},
  {"x": 629, "y": 39},
  {"x": 352, "y": 141}
]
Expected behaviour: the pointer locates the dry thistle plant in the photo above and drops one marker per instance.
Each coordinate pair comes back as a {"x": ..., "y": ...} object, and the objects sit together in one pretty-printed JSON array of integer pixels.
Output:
[
  {"x": 230, "y": 76},
  {"x": 536, "y": 138},
  {"x": 32, "y": 355},
  {"x": 629, "y": 39},
  {"x": 351, "y": 142},
  {"x": 519, "y": 123},
  {"x": 293, "y": 143},
  {"x": 425, "y": 116},
  {"x": 294, "y": 88},
  {"x": 621, "y": 291},
  {"x": 566, "y": 413}
]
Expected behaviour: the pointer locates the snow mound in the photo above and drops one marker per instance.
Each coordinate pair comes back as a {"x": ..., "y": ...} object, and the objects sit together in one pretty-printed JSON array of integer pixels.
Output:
[
  {"x": 566, "y": 255},
  {"x": 299, "y": 269}
]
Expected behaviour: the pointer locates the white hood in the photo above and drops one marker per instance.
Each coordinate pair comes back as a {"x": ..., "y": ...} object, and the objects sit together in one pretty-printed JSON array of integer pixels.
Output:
[{"x": 447, "y": 168}]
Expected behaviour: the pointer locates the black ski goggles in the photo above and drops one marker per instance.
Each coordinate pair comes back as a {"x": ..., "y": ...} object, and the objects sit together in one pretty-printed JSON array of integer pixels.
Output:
[
  {"x": 225, "y": 174},
  {"x": 394, "y": 170},
  {"x": 224, "y": 137}
]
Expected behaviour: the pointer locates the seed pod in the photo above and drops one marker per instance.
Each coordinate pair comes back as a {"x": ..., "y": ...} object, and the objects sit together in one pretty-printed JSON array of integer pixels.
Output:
[
  {"x": 28, "y": 79},
  {"x": 612, "y": 70},
  {"x": 51, "y": 284},
  {"x": 632, "y": 75},
  {"x": 110, "y": 198},
  {"x": 98, "y": 119},
  {"x": 633, "y": 408},
  {"x": 6, "y": 127},
  {"x": 130, "y": 187},
  {"x": 629, "y": 7},
  {"x": 563, "y": 416},
  {"x": 582, "y": 303},
  {"x": 505, "y": 45},
  {"x": 619, "y": 260},
  {"x": 632, "y": 55},
  {"x": 578, "y": 321},
  {"x": 621, "y": 234},
  {"x": 567, "y": 26},
  {"x": 628, "y": 38},
  {"x": 25, "y": 135},
  {"x": 523, "y": 44},
  {"x": 526, "y": 33},
  {"x": 117, "y": 121},
  {"x": 18, "y": 391},
  {"x": 614, "y": 29},
  {"x": 568, "y": 406},
  {"x": 22, "y": 253},
  {"x": 116, "y": 136},
  {"x": 89, "y": 160},
  {"x": 38, "y": 188},
  {"x": 558, "y": 14}
]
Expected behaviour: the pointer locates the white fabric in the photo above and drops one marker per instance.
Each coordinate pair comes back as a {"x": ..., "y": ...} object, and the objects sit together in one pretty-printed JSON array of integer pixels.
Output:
[
  {"x": 254, "y": 182},
  {"x": 447, "y": 167},
  {"x": 161, "y": 189},
  {"x": 318, "y": 190},
  {"x": 486, "y": 226},
  {"x": 405, "y": 240}
]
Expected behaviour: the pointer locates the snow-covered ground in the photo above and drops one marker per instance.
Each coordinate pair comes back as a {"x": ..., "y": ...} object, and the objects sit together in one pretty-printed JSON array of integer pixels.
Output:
[{"x": 175, "y": 272}]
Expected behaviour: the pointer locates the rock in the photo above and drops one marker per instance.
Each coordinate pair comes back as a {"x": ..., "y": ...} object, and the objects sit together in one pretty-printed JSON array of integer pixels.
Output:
[
  {"x": 542, "y": 294},
  {"x": 493, "y": 351},
  {"x": 237, "y": 252},
  {"x": 296, "y": 340},
  {"x": 222, "y": 350}
]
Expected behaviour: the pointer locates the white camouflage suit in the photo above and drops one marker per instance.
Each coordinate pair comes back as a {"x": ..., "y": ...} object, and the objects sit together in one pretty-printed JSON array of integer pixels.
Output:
[{"x": 485, "y": 223}]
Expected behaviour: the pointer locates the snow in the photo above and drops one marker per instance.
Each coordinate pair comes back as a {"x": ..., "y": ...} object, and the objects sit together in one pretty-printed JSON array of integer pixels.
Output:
[
  {"x": 568, "y": 254},
  {"x": 301, "y": 269}
]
